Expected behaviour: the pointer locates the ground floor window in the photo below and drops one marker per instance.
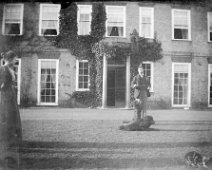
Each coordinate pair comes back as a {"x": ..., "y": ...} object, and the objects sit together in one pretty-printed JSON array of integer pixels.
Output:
[
  {"x": 210, "y": 85},
  {"x": 82, "y": 75},
  {"x": 181, "y": 84},
  {"x": 48, "y": 81},
  {"x": 148, "y": 72}
]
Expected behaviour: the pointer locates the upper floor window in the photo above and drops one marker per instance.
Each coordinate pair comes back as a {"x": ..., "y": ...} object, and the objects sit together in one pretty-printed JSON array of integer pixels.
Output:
[
  {"x": 49, "y": 19},
  {"x": 115, "y": 24},
  {"x": 181, "y": 27},
  {"x": 82, "y": 75},
  {"x": 210, "y": 26},
  {"x": 84, "y": 19},
  {"x": 13, "y": 19},
  {"x": 147, "y": 22}
]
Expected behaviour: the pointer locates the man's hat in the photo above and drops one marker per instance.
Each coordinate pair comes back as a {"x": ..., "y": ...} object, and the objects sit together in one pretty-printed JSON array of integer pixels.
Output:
[{"x": 140, "y": 65}]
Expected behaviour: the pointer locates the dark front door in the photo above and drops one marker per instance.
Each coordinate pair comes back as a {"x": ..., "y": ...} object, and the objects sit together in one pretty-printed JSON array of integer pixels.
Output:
[{"x": 116, "y": 87}]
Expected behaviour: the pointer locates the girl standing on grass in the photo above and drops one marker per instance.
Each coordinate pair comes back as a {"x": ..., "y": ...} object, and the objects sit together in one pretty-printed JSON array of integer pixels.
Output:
[{"x": 10, "y": 122}]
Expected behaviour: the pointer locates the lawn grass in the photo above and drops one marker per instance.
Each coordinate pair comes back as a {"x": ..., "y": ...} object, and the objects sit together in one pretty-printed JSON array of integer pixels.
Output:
[{"x": 99, "y": 144}]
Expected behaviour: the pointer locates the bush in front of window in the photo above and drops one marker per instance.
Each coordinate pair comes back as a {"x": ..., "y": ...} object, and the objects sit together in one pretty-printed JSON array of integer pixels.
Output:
[{"x": 84, "y": 98}]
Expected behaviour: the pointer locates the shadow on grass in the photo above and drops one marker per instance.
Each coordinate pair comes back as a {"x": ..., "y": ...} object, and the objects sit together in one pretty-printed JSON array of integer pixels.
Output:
[
  {"x": 53, "y": 155},
  {"x": 178, "y": 130},
  {"x": 89, "y": 163},
  {"x": 38, "y": 144}
]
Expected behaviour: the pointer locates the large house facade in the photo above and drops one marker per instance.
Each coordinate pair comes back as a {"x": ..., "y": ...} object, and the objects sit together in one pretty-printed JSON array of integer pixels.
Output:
[{"x": 47, "y": 76}]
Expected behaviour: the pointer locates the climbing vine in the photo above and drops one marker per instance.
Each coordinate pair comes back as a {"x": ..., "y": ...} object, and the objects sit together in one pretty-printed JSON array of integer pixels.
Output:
[
  {"x": 139, "y": 49},
  {"x": 81, "y": 45}
]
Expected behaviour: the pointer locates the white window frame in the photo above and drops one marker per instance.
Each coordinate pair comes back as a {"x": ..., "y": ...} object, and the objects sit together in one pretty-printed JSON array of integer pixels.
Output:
[
  {"x": 18, "y": 79},
  {"x": 189, "y": 84},
  {"x": 152, "y": 21},
  {"x": 209, "y": 81},
  {"x": 152, "y": 75},
  {"x": 77, "y": 76},
  {"x": 41, "y": 16},
  {"x": 21, "y": 20},
  {"x": 208, "y": 18},
  {"x": 189, "y": 24},
  {"x": 39, "y": 81},
  {"x": 78, "y": 17},
  {"x": 124, "y": 24}
]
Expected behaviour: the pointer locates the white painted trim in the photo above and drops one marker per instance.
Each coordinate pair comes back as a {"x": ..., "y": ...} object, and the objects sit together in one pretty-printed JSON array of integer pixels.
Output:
[
  {"x": 77, "y": 77},
  {"x": 209, "y": 81},
  {"x": 78, "y": 18},
  {"x": 40, "y": 18},
  {"x": 152, "y": 74},
  {"x": 56, "y": 84},
  {"x": 104, "y": 83},
  {"x": 124, "y": 15},
  {"x": 152, "y": 21},
  {"x": 21, "y": 21},
  {"x": 208, "y": 22},
  {"x": 19, "y": 81},
  {"x": 127, "y": 91},
  {"x": 189, "y": 24},
  {"x": 189, "y": 84}
]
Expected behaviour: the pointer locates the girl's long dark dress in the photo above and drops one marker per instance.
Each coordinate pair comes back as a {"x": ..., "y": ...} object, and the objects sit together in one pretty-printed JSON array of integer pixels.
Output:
[{"x": 10, "y": 122}]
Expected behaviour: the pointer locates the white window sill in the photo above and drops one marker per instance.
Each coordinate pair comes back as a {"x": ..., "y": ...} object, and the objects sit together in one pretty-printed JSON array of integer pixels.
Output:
[
  {"x": 146, "y": 37},
  {"x": 12, "y": 34},
  {"x": 48, "y": 35},
  {"x": 47, "y": 104},
  {"x": 82, "y": 89},
  {"x": 115, "y": 37},
  {"x": 182, "y": 40}
]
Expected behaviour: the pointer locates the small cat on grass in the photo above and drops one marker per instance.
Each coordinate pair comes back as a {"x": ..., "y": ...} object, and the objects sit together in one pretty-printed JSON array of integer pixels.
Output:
[{"x": 195, "y": 159}]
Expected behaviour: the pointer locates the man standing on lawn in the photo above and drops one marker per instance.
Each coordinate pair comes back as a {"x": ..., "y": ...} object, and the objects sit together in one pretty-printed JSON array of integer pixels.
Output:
[{"x": 140, "y": 84}]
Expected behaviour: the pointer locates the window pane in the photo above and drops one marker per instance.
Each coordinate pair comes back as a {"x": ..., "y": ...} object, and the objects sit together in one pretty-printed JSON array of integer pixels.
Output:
[
  {"x": 181, "y": 24},
  {"x": 81, "y": 79},
  {"x": 146, "y": 22},
  {"x": 48, "y": 82},
  {"x": 146, "y": 30},
  {"x": 49, "y": 32},
  {"x": 12, "y": 28},
  {"x": 180, "y": 84},
  {"x": 180, "y": 33},
  {"x": 181, "y": 18},
  {"x": 115, "y": 31},
  {"x": 83, "y": 75},
  {"x": 115, "y": 21},
  {"x": 12, "y": 19},
  {"x": 210, "y": 25},
  {"x": 13, "y": 12},
  {"x": 84, "y": 28},
  {"x": 84, "y": 19},
  {"x": 50, "y": 19},
  {"x": 50, "y": 12},
  {"x": 85, "y": 71}
]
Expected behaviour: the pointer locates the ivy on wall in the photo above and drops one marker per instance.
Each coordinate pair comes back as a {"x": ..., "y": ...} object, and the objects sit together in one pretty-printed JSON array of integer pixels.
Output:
[
  {"x": 67, "y": 37},
  {"x": 81, "y": 45},
  {"x": 93, "y": 47}
]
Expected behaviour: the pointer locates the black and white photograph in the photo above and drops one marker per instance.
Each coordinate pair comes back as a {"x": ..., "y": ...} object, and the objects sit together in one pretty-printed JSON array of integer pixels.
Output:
[{"x": 106, "y": 85}]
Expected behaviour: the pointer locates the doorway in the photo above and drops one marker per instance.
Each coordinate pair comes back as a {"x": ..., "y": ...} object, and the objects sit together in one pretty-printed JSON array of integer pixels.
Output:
[{"x": 116, "y": 86}]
